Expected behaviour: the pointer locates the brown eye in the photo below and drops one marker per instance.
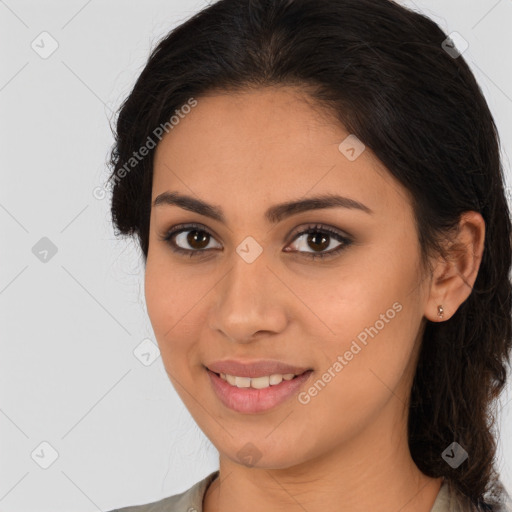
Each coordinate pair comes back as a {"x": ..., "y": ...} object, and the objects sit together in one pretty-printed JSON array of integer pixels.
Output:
[
  {"x": 319, "y": 242},
  {"x": 191, "y": 240},
  {"x": 197, "y": 239},
  {"x": 317, "y": 239}
]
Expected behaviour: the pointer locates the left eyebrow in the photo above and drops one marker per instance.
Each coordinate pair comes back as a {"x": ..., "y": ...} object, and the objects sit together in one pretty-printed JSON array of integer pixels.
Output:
[{"x": 273, "y": 215}]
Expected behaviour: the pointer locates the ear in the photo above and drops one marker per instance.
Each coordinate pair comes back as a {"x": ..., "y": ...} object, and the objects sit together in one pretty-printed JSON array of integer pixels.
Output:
[{"x": 453, "y": 277}]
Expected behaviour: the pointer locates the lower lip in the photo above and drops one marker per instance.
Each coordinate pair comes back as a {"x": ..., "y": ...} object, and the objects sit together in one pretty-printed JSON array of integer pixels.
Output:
[{"x": 250, "y": 400}]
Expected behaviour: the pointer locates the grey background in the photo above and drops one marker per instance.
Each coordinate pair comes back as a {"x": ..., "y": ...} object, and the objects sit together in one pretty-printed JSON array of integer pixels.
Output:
[{"x": 71, "y": 321}]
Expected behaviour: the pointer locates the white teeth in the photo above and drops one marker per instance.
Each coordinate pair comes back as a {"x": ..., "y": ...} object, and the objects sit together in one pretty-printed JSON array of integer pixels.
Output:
[
  {"x": 242, "y": 382},
  {"x": 275, "y": 379},
  {"x": 260, "y": 382},
  {"x": 257, "y": 382}
]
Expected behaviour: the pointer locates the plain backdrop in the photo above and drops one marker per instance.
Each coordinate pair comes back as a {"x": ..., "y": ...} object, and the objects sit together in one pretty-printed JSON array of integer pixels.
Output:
[{"x": 86, "y": 423}]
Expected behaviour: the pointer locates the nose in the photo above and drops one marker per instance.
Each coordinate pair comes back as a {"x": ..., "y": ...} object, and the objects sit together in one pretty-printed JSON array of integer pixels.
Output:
[{"x": 250, "y": 301}]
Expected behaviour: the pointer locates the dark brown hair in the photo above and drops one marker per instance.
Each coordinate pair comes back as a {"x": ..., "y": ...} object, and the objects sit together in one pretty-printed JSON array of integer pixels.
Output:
[{"x": 383, "y": 71}]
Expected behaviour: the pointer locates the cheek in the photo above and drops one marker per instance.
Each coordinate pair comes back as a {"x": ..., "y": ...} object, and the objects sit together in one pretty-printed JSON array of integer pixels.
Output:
[
  {"x": 175, "y": 299},
  {"x": 167, "y": 301},
  {"x": 374, "y": 312},
  {"x": 358, "y": 379},
  {"x": 159, "y": 295}
]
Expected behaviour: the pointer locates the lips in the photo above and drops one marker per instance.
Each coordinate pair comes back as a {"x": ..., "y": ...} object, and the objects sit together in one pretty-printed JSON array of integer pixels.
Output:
[
  {"x": 254, "y": 369},
  {"x": 255, "y": 401}
]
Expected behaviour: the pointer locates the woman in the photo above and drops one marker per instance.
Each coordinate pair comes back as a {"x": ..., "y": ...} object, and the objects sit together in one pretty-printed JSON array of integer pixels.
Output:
[{"x": 318, "y": 195}]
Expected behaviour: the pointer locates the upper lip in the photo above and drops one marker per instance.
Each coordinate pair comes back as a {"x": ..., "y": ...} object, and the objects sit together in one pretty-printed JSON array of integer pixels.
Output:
[{"x": 253, "y": 369}]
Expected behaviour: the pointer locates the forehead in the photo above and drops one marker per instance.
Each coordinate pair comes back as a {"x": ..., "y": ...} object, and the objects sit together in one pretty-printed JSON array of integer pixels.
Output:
[
  {"x": 281, "y": 117},
  {"x": 267, "y": 145}
]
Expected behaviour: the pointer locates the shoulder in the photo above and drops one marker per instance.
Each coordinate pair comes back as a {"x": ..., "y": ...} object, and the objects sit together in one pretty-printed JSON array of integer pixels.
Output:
[
  {"x": 191, "y": 499},
  {"x": 450, "y": 500},
  {"x": 499, "y": 500}
]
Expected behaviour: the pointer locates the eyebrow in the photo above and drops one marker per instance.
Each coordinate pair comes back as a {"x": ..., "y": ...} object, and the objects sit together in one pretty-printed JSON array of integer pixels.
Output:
[{"x": 273, "y": 215}]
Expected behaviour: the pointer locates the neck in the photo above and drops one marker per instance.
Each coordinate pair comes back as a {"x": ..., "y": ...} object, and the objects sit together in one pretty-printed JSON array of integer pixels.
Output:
[{"x": 369, "y": 471}]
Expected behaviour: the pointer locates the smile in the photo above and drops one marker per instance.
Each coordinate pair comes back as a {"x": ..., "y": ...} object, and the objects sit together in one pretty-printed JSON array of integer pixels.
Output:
[{"x": 252, "y": 395}]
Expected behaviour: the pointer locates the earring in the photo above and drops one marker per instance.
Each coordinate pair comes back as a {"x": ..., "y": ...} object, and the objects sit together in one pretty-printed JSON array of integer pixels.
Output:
[{"x": 440, "y": 311}]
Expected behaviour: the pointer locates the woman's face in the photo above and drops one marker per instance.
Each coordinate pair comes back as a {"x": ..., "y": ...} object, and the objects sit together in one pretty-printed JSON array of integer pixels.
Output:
[{"x": 251, "y": 290}]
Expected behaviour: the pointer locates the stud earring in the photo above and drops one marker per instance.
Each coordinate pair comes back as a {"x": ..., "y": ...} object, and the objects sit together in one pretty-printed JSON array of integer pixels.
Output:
[{"x": 440, "y": 311}]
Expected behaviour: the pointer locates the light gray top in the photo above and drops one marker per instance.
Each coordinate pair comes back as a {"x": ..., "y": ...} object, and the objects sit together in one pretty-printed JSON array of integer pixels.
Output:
[{"x": 191, "y": 500}]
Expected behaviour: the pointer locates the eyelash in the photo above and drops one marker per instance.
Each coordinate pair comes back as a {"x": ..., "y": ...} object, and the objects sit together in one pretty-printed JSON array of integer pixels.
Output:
[{"x": 313, "y": 228}]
